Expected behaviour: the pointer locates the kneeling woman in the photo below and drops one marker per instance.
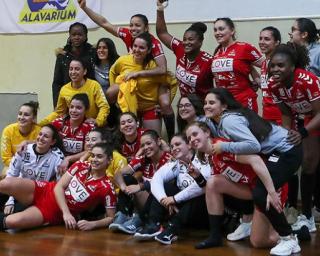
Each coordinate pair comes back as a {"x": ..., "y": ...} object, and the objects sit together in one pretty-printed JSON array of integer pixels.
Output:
[
  {"x": 250, "y": 134},
  {"x": 54, "y": 203},
  {"x": 233, "y": 175}
]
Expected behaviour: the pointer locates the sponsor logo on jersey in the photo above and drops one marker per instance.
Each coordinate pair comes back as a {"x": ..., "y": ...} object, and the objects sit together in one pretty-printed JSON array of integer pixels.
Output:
[
  {"x": 185, "y": 77},
  {"x": 72, "y": 146},
  {"x": 77, "y": 190},
  {"x": 222, "y": 65},
  {"x": 232, "y": 174}
]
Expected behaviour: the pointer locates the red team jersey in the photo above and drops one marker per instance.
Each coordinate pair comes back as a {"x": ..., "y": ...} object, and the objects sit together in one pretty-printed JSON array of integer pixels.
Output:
[
  {"x": 127, "y": 38},
  {"x": 270, "y": 110},
  {"x": 73, "y": 139},
  {"x": 129, "y": 150},
  {"x": 225, "y": 164},
  {"x": 194, "y": 77},
  {"x": 83, "y": 193},
  {"x": 305, "y": 89},
  {"x": 231, "y": 68},
  {"x": 147, "y": 168}
]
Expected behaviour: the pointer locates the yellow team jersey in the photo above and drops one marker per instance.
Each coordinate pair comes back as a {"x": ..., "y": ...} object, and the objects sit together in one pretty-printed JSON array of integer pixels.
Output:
[
  {"x": 147, "y": 87},
  {"x": 11, "y": 138},
  {"x": 98, "y": 109}
]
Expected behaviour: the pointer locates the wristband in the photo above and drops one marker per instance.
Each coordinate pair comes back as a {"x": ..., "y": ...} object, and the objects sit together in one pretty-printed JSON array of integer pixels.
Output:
[
  {"x": 201, "y": 181},
  {"x": 303, "y": 132}
]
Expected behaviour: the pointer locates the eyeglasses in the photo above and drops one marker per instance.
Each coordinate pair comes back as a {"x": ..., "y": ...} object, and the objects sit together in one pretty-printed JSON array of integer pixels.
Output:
[
  {"x": 187, "y": 105},
  {"x": 293, "y": 29}
]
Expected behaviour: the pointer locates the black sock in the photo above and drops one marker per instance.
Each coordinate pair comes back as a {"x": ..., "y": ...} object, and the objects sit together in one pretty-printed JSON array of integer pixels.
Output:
[
  {"x": 3, "y": 225},
  {"x": 307, "y": 186},
  {"x": 169, "y": 122}
]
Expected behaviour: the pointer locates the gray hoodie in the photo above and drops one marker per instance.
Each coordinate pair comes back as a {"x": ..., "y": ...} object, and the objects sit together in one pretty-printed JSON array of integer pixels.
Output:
[{"x": 235, "y": 127}]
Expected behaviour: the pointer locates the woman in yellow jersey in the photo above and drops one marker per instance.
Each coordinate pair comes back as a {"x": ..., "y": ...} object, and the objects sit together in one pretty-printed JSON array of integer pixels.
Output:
[
  {"x": 99, "y": 108},
  {"x": 145, "y": 88},
  {"x": 25, "y": 129}
]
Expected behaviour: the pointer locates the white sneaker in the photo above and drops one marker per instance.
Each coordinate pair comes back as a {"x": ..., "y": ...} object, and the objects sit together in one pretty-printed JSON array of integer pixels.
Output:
[
  {"x": 241, "y": 232},
  {"x": 286, "y": 246},
  {"x": 303, "y": 221}
]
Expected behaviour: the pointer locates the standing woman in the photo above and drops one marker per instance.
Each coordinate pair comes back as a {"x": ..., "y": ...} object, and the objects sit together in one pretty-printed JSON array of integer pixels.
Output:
[
  {"x": 25, "y": 129},
  {"x": 76, "y": 47},
  {"x": 304, "y": 32},
  {"x": 250, "y": 134},
  {"x": 98, "y": 110},
  {"x": 139, "y": 24},
  {"x": 146, "y": 88},
  {"x": 297, "y": 90},
  {"x": 192, "y": 64},
  {"x": 233, "y": 62},
  {"x": 73, "y": 129},
  {"x": 106, "y": 55},
  {"x": 269, "y": 38}
]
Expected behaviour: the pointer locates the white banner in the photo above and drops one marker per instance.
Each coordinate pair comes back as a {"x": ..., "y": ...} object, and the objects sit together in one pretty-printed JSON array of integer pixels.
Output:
[{"x": 43, "y": 16}]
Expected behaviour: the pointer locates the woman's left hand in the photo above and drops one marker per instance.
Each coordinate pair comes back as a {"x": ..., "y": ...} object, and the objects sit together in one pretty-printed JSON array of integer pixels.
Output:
[
  {"x": 167, "y": 201},
  {"x": 294, "y": 137},
  {"x": 85, "y": 225},
  {"x": 216, "y": 148},
  {"x": 91, "y": 120},
  {"x": 132, "y": 189},
  {"x": 275, "y": 200}
]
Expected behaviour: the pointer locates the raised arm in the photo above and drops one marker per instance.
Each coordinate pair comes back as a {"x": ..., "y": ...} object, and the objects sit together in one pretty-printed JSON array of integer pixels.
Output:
[
  {"x": 161, "y": 27},
  {"x": 98, "y": 19}
]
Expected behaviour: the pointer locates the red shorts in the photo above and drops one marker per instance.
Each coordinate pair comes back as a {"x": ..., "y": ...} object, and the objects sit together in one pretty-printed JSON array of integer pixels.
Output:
[
  {"x": 151, "y": 114},
  {"x": 283, "y": 195},
  {"x": 248, "y": 101},
  {"x": 45, "y": 201}
]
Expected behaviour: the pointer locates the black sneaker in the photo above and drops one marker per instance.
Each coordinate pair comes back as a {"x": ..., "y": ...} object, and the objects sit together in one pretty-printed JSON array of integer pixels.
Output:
[
  {"x": 149, "y": 231},
  {"x": 167, "y": 236}
]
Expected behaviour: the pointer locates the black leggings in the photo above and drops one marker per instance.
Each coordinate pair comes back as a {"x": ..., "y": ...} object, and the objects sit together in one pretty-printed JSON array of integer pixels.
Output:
[
  {"x": 192, "y": 212},
  {"x": 281, "y": 168}
]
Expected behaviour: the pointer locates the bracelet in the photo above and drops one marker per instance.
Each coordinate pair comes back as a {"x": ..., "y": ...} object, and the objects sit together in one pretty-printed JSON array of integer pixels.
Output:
[
  {"x": 201, "y": 181},
  {"x": 303, "y": 132}
]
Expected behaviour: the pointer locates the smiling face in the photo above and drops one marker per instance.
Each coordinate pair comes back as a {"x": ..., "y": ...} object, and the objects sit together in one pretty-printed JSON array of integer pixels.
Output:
[
  {"x": 77, "y": 110},
  {"x": 137, "y": 27},
  {"x": 191, "y": 42},
  {"x": 213, "y": 107},
  {"x": 102, "y": 51},
  {"x": 44, "y": 140},
  {"x": 140, "y": 50},
  {"x": 128, "y": 125},
  {"x": 198, "y": 138},
  {"x": 179, "y": 148},
  {"x": 149, "y": 146},
  {"x": 267, "y": 43},
  {"x": 99, "y": 159},
  {"x": 223, "y": 33},
  {"x": 186, "y": 110},
  {"x": 91, "y": 139},
  {"x": 25, "y": 117},
  {"x": 76, "y": 71},
  {"x": 281, "y": 68},
  {"x": 296, "y": 36},
  {"x": 77, "y": 36}
]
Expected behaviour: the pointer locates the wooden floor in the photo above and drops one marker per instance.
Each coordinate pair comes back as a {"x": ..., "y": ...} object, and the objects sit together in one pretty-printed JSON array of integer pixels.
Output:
[{"x": 58, "y": 241}]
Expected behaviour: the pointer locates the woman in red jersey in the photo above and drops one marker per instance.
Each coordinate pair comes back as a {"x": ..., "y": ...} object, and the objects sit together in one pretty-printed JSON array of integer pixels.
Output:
[{"x": 233, "y": 62}]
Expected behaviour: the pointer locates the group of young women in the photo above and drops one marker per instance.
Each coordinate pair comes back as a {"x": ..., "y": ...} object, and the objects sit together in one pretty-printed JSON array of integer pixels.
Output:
[{"x": 225, "y": 154}]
